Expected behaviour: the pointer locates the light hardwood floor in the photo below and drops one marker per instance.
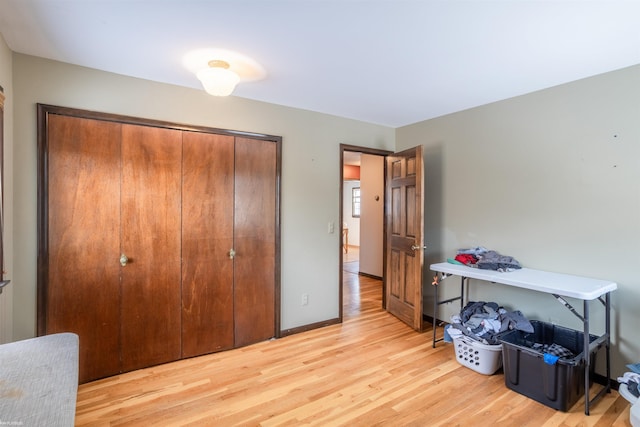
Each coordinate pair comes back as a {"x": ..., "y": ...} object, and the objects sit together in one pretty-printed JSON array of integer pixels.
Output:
[{"x": 371, "y": 370}]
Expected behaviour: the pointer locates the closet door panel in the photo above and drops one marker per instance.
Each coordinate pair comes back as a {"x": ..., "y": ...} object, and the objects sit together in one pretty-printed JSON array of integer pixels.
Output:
[
  {"x": 83, "y": 286},
  {"x": 207, "y": 238},
  {"x": 151, "y": 198},
  {"x": 255, "y": 240}
]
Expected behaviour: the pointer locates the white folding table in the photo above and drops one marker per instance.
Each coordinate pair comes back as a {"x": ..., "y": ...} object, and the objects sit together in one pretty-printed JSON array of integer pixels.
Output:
[{"x": 557, "y": 284}]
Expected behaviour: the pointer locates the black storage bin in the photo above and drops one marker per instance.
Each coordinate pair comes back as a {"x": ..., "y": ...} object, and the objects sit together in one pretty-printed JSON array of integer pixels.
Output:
[{"x": 558, "y": 386}]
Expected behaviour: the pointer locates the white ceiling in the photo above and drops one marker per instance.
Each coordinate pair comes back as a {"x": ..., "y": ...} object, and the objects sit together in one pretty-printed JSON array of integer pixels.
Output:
[
  {"x": 391, "y": 62},
  {"x": 351, "y": 158}
]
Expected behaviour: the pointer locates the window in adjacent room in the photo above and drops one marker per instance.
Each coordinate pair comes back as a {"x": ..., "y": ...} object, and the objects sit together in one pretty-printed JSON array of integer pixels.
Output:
[{"x": 355, "y": 202}]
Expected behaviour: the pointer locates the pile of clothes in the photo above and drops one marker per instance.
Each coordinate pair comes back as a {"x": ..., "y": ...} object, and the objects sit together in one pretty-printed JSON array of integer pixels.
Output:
[
  {"x": 485, "y": 259},
  {"x": 553, "y": 349},
  {"x": 484, "y": 321}
]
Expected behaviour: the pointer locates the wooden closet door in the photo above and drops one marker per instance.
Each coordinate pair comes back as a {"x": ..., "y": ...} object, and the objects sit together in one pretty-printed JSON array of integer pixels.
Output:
[
  {"x": 151, "y": 197},
  {"x": 83, "y": 218},
  {"x": 207, "y": 238},
  {"x": 255, "y": 240}
]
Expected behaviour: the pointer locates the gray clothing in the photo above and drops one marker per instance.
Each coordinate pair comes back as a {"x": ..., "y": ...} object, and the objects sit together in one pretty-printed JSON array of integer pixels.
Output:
[{"x": 492, "y": 260}]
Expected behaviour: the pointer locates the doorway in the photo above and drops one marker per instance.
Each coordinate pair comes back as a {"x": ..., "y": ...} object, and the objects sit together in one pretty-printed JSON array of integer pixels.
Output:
[{"x": 362, "y": 183}]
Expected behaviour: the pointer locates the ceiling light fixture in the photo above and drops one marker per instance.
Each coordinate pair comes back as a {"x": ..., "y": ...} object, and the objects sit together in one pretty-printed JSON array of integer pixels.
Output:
[
  {"x": 218, "y": 79},
  {"x": 220, "y": 70}
]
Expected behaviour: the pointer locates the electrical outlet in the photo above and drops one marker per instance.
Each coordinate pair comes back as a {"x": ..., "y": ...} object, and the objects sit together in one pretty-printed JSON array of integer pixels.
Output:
[
  {"x": 330, "y": 228},
  {"x": 305, "y": 299}
]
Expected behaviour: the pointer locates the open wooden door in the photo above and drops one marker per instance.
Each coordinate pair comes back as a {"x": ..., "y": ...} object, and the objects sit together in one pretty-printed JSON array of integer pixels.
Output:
[{"x": 404, "y": 223}]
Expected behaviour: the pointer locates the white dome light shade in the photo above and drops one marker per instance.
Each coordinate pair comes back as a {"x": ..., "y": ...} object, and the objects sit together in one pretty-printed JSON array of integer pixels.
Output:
[
  {"x": 218, "y": 80},
  {"x": 205, "y": 63}
]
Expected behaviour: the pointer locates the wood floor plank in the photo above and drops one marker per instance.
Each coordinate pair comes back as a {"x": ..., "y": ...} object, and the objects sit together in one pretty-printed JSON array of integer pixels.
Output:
[{"x": 371, "y": 370}]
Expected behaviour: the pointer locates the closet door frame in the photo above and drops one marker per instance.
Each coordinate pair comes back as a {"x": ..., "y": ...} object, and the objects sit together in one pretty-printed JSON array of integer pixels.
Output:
[{"x": 43, "y": 113}]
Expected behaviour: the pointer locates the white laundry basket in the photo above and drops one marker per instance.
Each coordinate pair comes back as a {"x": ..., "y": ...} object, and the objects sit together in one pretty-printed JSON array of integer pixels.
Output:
[
  {"x": 482, "y": 358},
  {"x": 634, "y": 411}
]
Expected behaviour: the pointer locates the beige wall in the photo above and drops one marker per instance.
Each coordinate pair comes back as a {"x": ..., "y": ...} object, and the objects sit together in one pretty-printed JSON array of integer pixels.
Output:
[
  {"x": 372, "y": 214},
  {"x": 6, "y": 298},
  {"x": 551, "y": 178},
  {"x": 310, "y": 171}
]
